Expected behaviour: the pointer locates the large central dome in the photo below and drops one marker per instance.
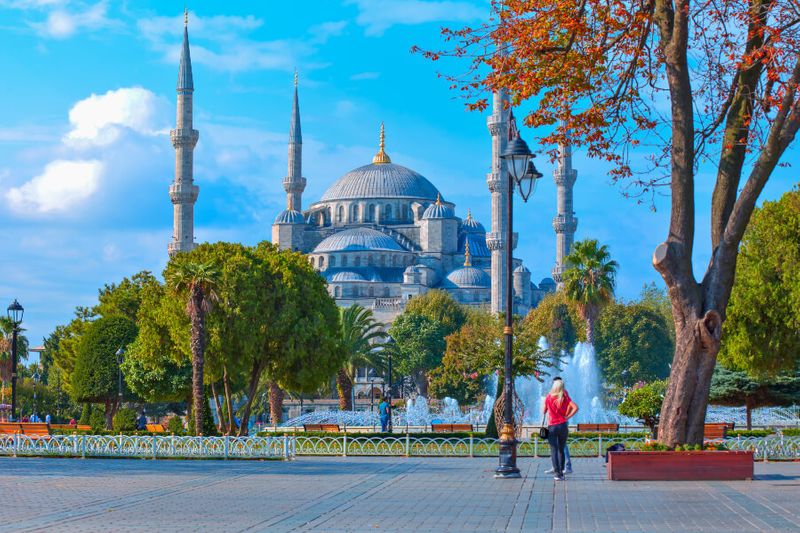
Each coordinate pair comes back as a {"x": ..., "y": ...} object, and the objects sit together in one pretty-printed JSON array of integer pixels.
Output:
[{"x": 381, "y": 180}]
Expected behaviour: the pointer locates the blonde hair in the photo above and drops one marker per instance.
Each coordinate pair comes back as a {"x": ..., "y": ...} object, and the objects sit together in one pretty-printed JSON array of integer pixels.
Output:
[{"x": 557, "y": 391}]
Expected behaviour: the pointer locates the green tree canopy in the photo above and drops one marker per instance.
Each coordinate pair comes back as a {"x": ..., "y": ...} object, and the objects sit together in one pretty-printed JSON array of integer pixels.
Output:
[
  {"x": 438, "y": 305},
  {"x": 94, "y": 378},
  {"x": 477, "y": 350},
  {"x": 557, "y": 319},
  {"x": 420, "y": 345},
  {"x": 644, "y": 404},
  {"x": 736, "y": 389},
  {"x": 633, "y": 344},
  {"x": 762, "y": 332}
]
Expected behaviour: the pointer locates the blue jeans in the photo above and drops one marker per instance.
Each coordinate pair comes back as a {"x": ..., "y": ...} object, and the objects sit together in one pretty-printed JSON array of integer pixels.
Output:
[
  {"x": 384, "y": 423},
  {"x": 568, "y": 461},
  {"x": 558, "y": 443}
]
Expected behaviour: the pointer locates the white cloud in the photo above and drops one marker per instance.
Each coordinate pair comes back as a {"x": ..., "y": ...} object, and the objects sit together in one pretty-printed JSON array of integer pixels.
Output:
[
  {"x": 62, "y": 23},
  {"x": 322, "y": 32},
  {"x": 98, "y": 119},
  {"x": 379, "y": 15},
  {"x": 63, "y": 185}
]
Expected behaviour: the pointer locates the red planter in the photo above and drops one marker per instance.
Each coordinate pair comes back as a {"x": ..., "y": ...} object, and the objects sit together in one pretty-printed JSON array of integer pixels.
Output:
[{"x": 680, "y": 466}]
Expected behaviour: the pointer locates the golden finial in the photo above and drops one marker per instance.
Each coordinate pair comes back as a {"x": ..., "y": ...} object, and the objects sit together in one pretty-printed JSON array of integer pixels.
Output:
[
  {"x": 381, "y": 157},
  {"x": 469, "y": 215},
  {"x": 438, "y": 198},
  {"x": 185, "y": 16},
  {"x": 467, "y": 256},
  {"x": 295, "y": 78}
]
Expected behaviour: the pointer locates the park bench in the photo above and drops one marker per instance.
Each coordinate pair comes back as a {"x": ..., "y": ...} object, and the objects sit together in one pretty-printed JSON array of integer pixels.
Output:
[
  {"x": 328, "y": 428},
  {"x": 31, "y": 429},
  {"x": 450, "y": 428},
  {"x": 599, "y": 428},
  {"x": 155, "y": 428},
  {"x": 716, "y": 431}
]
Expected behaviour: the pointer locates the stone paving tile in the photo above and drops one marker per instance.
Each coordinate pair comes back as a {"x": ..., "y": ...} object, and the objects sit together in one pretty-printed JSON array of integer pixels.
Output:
[{"x": 387, "y": 494}]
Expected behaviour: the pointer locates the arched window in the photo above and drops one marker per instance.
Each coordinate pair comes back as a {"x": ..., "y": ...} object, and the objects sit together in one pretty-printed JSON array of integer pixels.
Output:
[
  {"x": 386, "y": 292},
  {"x": 337, "y": 292},
  {"x": 395, "y": 260},
  {"x": 321, "y": 262},
  {"x": 328, "y": 216},
  {"x": 387, "y": 213},
  {"x": 371, "y": 291},
  {"x": 358, "y": 261},
  {"x": 332, "y": 262},
  {"x": 383, "y": 260},
  {"x": 340, "y": 214},
  {"x": 354, "y": 213},
  {"x": 370, "y": 260},
  {"x": 344, "y": 260},
  {"x": 371, "y": 213},
  {"x": 404, "y": 216}
]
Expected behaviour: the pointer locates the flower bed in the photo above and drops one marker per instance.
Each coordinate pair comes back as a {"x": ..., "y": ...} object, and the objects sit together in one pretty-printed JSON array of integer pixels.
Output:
[{"x": 712, "y": 463}]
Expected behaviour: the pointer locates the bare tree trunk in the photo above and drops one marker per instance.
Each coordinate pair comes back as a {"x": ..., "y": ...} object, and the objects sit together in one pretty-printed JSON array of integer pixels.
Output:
[
  {"x": 275, "y": 403},
  {"x": 109, "y": 414},
  {"x": 344, "y": 388},
  {"x": 226, "y": 380},
  {"x": 748, "y": 405},
  {"x": 421, "y": 379},
  {"x": 198, "y": 346},
  {"x": 255, "y": 377},
  {"x": 221, "y": 426}
]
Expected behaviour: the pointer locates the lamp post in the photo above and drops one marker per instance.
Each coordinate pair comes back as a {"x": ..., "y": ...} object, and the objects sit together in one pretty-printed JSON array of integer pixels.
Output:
[
  {"x": 15, "y": 312},
  {"x": 523, "y": 174},
  {"x": 35, "y": 377},
  {"x": 119, "y": 353}
]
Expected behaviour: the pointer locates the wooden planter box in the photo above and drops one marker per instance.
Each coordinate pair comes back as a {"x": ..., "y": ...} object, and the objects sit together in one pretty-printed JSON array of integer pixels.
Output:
[{"x": 680, "y": 466}]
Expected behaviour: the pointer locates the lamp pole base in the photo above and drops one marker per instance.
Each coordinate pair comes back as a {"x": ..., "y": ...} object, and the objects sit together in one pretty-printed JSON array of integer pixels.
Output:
[{"x": 508, "y": 455}]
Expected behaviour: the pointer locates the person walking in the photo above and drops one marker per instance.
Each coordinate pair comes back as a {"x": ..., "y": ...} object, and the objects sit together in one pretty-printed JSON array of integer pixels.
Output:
[
  {"x": 383, "y": 411},
  {"x": 559, "y": 408}
]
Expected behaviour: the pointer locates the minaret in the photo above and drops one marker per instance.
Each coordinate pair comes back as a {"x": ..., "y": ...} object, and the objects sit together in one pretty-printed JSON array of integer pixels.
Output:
[
  {"x": 183, "y": 192},
  {"x": 564, "y": 222},
  {"x": 294, "y": 183},
  {"x": 497, "y": 181}
]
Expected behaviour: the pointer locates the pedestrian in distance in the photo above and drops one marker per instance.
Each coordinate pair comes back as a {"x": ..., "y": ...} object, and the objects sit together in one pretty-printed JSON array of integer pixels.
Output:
[
  {"x": 559, "y": 408},
  {"x": 383, "y": 411},
  {"x": 47, "y": 419}
]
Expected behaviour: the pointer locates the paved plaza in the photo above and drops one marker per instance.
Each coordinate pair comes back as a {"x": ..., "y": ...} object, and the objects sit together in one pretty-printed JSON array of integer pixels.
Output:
[{"x": 377, "y": 494}]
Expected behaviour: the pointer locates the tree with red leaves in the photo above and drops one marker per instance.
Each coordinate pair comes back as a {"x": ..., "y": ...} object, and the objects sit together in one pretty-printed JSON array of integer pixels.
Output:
[{"x": 684, "y": 82}]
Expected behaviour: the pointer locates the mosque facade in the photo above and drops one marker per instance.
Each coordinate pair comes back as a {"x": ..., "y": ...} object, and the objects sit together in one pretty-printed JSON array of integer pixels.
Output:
[{"x": 383, "y": 233}]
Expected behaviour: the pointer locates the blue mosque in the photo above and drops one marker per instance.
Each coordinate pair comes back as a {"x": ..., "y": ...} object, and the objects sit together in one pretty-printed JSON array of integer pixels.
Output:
[{"x": 383, "y": 233}]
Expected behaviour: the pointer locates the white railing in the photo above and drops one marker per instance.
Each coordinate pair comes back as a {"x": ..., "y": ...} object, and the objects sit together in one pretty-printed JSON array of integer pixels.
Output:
[{"x": 154, "y": 447}]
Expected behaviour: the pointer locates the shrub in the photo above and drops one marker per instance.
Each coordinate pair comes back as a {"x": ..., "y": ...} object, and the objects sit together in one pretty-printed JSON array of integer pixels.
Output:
[
  {"x": 97, "y": 419},
  {"x": 86, "y": 415},
  {"x": 644, "y": 404},
  {"x": 791, "y": 432},
  {"x": 209, "y": 428},
  {"x": 175, "y": 425},
  {"x": 124, "y": 420},
  {"x": 750, "y": 433}
]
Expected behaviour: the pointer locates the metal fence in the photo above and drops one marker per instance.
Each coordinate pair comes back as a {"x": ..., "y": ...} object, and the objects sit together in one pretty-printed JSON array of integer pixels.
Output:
[
  {"x": 152, "y": 447},
  {"x": 774, "y": 447}
]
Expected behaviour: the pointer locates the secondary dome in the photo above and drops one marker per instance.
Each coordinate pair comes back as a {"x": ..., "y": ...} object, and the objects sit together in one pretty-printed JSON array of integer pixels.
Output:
[
  {"x": 381, "y": 180},
  {"x": 290, "y": 216},
  {"x": 470, "y": 225},
  {"x": 438, "y": 210},
  {"x": 347, "y": 275},
  {"x": 468, "y": 277},
  {"x": 356, "y": 239}
]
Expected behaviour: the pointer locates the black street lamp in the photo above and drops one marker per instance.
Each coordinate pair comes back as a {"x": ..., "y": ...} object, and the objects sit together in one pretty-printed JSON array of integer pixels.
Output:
[
  {"x": 523, "y": 174},
  {"x": 35, "y": 377},
  {"x": 119, "y": 353},
  {"x": 389, "y": 339},
  {"x": 15, "y": 312}
]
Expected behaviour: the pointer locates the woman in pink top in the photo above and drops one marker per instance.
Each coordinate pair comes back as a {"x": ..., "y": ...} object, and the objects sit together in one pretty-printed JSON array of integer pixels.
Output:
[{"x": 559, "y": 408}]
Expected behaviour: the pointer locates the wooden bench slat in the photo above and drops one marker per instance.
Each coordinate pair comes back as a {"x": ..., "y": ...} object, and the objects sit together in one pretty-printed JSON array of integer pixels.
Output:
[
  {"x": 600, "y": 428},
  {"x": 450, "y": 428},
  {"x": 330, "y": 428}
]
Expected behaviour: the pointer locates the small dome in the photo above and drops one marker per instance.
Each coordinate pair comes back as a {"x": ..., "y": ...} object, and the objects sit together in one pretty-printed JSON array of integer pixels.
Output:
[
  {"x": 438, "y": 210},
  {"x": 290, "y": 216},
  {"x": 347, "y": 275},
  {"x": 546, "y": 283},
  {"x": 470, "y": 225},
  {"x": 522, "y": 269},
  {"x": 468, "y": 277},
  {"x": 357, "y": 239}
]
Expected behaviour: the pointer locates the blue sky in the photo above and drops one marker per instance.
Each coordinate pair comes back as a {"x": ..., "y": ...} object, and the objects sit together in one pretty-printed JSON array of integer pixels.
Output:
[{"x": 87, "y": 97}]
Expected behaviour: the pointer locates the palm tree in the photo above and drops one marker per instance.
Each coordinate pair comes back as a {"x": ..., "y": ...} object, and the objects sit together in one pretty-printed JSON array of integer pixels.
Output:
[
  {"x": 589, "y": 280},
  {"x": 359, "y": 332},
  {"x": 197, "y": 281},
  {"x": 6, "y": 330}
]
